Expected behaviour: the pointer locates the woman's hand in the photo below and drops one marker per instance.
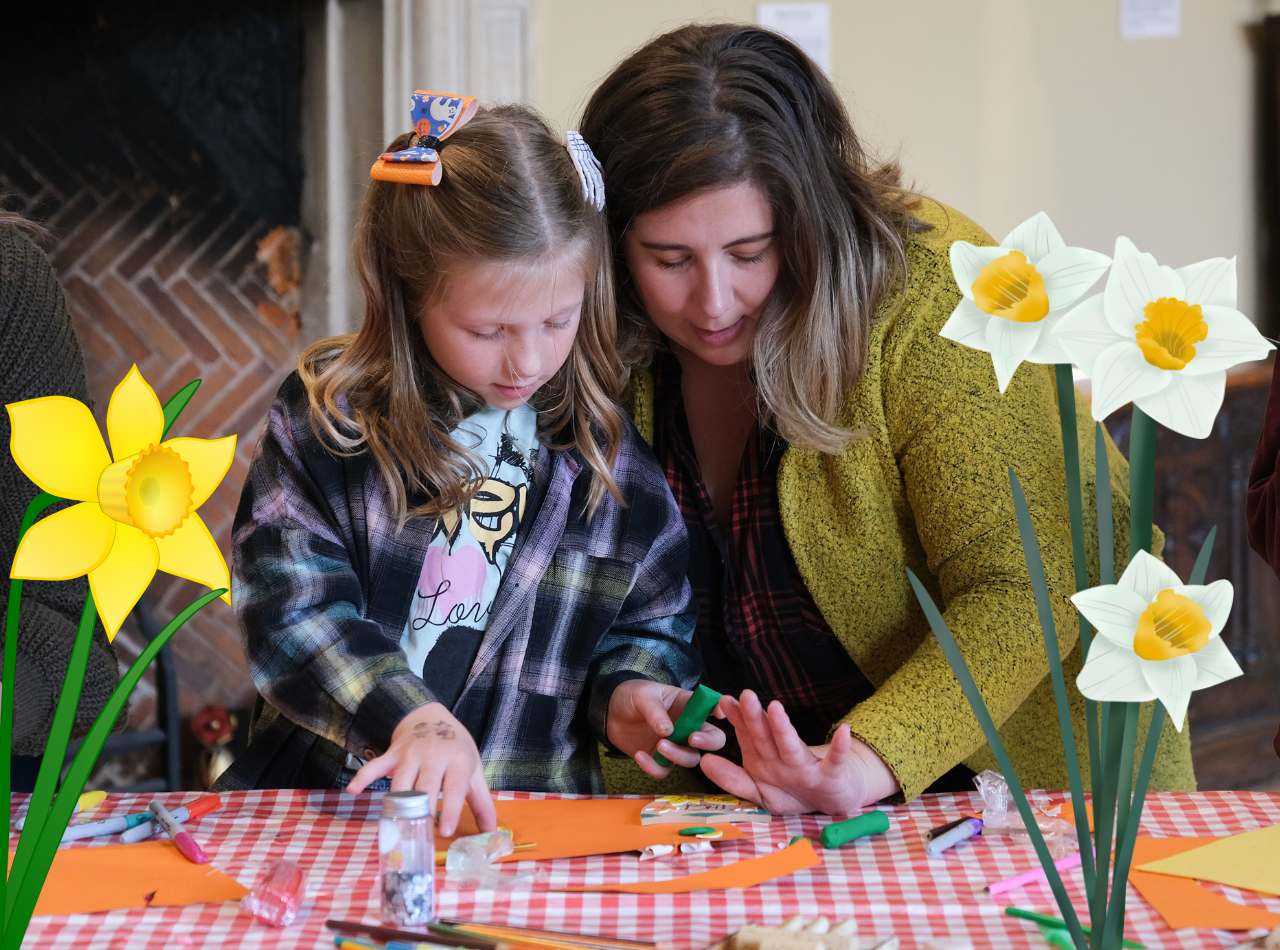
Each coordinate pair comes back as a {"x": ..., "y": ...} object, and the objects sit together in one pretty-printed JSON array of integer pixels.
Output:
[
  {"x": 788, "y": 777},
  {"x": 641, "y": 713},
  {"x": 432, "y": 752}
]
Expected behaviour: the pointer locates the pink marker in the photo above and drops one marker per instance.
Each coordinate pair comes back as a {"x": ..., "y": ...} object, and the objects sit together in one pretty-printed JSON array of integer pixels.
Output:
[
  {"x": 1036, "y": 874},
  {"x": 178, "y": 835}
]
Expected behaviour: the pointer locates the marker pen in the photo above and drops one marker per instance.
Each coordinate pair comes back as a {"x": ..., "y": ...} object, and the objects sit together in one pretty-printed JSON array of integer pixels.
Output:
[
  {"x": 184, "y": 842},
  {"x": 146, "y": 826}
]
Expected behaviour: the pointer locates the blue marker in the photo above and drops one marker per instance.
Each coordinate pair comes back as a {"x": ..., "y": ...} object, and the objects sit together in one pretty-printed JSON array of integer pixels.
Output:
[{"x": 961, "y": 832}]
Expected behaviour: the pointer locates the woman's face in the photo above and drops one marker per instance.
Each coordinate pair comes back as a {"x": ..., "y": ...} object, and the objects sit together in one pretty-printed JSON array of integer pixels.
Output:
[{"x": 704, "y": 267}]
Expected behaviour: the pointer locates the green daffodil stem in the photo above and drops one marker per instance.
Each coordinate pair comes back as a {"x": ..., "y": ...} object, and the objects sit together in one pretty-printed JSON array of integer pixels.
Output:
[
  {"x": 1104, "y": 811},
  {"x": 1053, "y": 653},
  {"x": 37, "y": 505},
  {"x": 55, "y": 751},
  {"x": 1142, "y": 479},
  {"x": 1096, "y": 714},
  {"x": 28, "y": 886},
  {"x": 1125, "y": 842},
  {"x": 1124, "y": 777},
  {"x": 1075, "y": 509},
  {"x": 970, "y": 689}
]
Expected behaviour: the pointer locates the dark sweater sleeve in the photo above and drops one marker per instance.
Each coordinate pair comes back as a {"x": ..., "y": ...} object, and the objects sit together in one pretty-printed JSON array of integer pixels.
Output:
[
  {"x": 1262, "y": 507},
  {"x": 40, "y": 356}
]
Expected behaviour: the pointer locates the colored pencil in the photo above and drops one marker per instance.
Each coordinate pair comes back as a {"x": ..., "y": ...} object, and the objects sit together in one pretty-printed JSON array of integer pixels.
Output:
[
  {"x": 388, "y": 933},
  {"x": 547, "y": 937}
]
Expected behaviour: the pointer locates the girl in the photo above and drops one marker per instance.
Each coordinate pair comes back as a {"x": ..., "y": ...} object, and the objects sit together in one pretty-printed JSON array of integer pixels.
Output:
[{"x": 455, "y": 563}]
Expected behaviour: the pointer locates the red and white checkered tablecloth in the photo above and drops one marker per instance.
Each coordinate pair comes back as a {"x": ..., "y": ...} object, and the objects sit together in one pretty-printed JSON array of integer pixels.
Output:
[{"x": 886, "y": 882}]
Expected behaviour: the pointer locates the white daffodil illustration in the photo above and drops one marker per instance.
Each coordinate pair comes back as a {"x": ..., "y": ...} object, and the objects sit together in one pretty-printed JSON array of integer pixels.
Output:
[
  {"x": 1162, "y": 339},
  {"x": 1016, "y": 293},
  {"x": 1157, "y": 637}
]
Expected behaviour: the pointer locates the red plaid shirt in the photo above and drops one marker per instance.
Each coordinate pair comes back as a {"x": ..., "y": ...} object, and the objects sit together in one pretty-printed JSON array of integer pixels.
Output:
[{"x": 758, "y": 627}]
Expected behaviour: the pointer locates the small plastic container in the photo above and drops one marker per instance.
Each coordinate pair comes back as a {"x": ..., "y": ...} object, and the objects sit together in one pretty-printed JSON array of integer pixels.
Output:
[
  {"x": 276, "y": 899},
  {"x": 407, "y": 859}
]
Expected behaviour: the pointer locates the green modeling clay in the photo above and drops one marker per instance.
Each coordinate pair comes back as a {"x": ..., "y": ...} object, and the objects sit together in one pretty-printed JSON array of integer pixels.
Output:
[
  {"x": 842, "y": 832},
  {"x": 696, "y": 711}
]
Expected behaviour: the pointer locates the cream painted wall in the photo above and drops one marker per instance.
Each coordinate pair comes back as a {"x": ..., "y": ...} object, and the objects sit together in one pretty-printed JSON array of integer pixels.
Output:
[{"x": 1002, "y": 108}]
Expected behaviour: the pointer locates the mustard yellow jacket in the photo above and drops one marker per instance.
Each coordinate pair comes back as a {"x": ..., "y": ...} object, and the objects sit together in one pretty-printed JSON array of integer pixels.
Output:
[{"x": 927, "y": 489}]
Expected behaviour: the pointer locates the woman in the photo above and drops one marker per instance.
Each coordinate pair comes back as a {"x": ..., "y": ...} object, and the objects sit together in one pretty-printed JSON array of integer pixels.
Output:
[
  {"x": 40, "y": 356},
  {"x": 780, "y": 300}
]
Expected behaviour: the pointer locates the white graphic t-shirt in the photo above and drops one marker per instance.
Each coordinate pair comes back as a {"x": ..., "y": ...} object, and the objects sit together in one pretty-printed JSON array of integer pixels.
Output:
[{"x": 467, "y": 558}]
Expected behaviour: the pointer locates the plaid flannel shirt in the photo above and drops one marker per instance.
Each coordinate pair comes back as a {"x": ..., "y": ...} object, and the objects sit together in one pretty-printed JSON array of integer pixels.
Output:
[{"x": 322, "y": 586}]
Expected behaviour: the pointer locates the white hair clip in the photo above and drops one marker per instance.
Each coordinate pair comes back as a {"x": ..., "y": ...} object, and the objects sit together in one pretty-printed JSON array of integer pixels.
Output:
[{"x": 588, "y": 166}]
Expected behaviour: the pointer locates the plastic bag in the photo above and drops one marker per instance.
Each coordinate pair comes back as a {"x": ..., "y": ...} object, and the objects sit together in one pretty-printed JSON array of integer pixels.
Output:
[
  {"x": 470, "y": 859},
  {"x": 1001, "y": 817}
]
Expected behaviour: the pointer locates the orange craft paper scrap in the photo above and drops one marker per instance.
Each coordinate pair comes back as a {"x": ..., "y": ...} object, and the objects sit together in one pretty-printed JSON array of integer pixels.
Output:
[
  {"x": 86, "y": 880},
  {"x": 1183, "y": 902},
  {"x": 572, "y": 828},
  {"x": 746, "y": 873},
  {"x": 1250, "y": 860}
]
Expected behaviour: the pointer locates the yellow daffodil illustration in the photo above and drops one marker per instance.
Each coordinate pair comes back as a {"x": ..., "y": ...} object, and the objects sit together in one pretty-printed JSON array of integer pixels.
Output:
[{"x": 138, "y": 503}]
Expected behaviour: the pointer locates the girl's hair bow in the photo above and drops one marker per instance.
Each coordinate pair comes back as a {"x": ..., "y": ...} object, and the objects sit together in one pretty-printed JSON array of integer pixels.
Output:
[{"x": 435, "y": 116}]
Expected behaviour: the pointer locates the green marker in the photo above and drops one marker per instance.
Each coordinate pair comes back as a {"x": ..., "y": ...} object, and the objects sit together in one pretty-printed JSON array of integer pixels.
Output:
[
  {"x": 842, "y": 832},
  {"x": 695, "y": 713},
  {"x": 698, "y": 830},
  {"x": 1046, "y": 921}
]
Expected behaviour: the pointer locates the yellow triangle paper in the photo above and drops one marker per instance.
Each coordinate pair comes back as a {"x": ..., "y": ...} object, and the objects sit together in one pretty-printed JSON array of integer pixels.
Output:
[{"x": 1250, "y": 861}]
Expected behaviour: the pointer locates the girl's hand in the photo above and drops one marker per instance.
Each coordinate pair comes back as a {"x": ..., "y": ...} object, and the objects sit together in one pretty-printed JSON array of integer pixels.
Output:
[
  {"x": 641, "y": 713},
  {"x": 432, "y": 752},
  {"x": 788, "y": 777}
]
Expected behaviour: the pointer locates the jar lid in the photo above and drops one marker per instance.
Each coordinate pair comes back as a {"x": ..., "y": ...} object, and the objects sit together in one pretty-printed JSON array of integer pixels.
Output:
[{"x": 406, "y": 805}]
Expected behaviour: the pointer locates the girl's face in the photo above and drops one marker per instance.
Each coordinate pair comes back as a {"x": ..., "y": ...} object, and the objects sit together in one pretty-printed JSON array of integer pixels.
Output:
[
  {"x": 704, "y": 268},
  {"x": 504, "y": 331}
]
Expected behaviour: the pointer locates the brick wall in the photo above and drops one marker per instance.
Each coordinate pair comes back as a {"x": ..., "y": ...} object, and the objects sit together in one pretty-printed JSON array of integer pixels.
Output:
[{"x": 169, "y": 281}]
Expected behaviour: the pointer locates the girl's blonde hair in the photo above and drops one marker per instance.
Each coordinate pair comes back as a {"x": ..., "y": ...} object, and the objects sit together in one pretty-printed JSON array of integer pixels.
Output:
[
  {"x": 708, "y": 106},
  {"x": 510, "y": 194}
]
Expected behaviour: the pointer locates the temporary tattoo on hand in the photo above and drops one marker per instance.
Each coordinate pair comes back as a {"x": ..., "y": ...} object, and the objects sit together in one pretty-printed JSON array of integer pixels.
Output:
[{"x": 441, "y": 729}]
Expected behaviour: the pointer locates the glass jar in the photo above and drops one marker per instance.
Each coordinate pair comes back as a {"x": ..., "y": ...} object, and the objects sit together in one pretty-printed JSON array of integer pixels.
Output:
[{"x": 407, "y": 859}]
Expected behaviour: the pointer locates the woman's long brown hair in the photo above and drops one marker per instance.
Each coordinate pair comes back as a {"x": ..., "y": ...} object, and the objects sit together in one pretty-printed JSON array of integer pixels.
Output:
[
  {"x": 709, "y": 106},
  {"x": 509, "y": 194}
]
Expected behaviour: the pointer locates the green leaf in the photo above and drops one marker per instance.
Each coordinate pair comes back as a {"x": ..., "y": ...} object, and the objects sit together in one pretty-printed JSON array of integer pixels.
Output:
[
  {"x": 1048, "y": 630},
  {"x": 1142, "y": 480},
  {"x": 1202, "y": 559},
  {"x": 29, "y": 885},
  {"x": 177, "y": 403},
  {"x": 7, "y": 672},
  {"x": 961, "y": 670},
  {"x": 55, "y": 750}
]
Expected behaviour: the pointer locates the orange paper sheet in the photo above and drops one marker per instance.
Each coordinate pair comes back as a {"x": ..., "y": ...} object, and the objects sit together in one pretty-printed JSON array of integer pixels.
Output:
[
  {"x": 1183, "y": 902},
  {"x": 1068, "y": 813},
  {"x": 746, "y": 873},
  {"x": 572, "y": 828},
  {"x": 87, "y": 880}
]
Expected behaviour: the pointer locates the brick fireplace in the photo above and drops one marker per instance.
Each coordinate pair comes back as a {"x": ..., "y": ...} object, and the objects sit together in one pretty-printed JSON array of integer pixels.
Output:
[{"x": 160, "y": 149}]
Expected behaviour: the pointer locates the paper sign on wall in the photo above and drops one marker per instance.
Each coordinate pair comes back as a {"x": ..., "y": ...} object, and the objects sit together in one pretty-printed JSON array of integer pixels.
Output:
[
  {"x": 808, "y": 25},
  {"x": 1150, "y": 19}
]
